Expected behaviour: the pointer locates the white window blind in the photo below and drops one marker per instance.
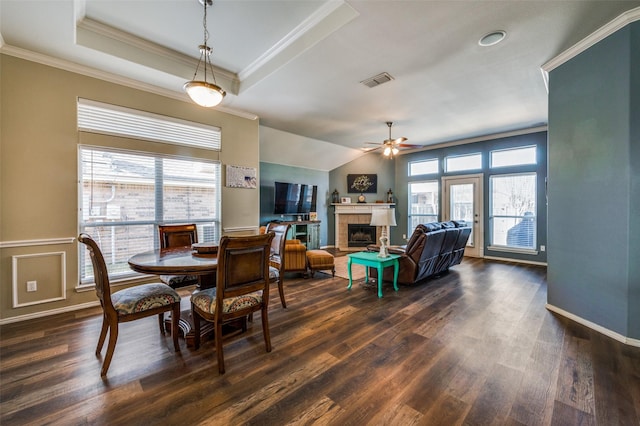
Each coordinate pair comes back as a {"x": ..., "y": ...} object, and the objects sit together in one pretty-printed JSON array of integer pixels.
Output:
[{"x": 98, "y": 117}]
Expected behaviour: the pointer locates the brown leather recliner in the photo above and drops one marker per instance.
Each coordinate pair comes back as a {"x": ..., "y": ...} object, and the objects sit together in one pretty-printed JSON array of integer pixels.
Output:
[{"x": 433, "y": 248}]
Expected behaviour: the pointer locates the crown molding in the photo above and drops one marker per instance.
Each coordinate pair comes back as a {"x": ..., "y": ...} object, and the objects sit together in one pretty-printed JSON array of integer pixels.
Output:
[
  {"x": 331, "y": 16},
  {"x": 106, "y": 39},
  {"x": 88, "y": 24},
  {"x": 109, "y": 77},
  {"x": 492, "y": 136},
  {"x": 600, "y": 34}
]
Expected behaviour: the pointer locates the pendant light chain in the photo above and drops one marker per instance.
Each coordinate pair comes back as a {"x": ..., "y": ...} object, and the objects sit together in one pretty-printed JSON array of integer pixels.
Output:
[{"x": 206, "y": 39}]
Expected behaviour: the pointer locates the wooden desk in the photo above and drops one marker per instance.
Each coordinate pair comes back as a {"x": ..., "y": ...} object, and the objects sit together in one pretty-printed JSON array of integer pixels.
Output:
[
  {"x": 371, "y": 259},
  {"x": 180, "y": 261}
]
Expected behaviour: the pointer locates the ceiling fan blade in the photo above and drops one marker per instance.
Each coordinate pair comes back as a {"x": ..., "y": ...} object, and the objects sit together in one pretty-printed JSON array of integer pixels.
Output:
[
  {"x": 400, "y": 140},
  {"x": 408, "y": 145},
  {"x": 372, "y": 143}
]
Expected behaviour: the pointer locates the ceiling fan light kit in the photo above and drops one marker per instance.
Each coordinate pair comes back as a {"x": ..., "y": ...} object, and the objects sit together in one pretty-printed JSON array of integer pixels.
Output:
[
  {"x": 391, "y": 147},
  {"x": 201, "y": 91}
]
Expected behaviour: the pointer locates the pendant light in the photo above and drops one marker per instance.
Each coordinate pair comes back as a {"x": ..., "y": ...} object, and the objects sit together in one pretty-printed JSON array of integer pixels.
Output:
[{"x": 202, "y": 92}]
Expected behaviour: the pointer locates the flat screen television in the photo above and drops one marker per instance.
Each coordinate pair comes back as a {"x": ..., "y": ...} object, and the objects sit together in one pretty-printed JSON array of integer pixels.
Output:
[{"x": 295, "y": 198}]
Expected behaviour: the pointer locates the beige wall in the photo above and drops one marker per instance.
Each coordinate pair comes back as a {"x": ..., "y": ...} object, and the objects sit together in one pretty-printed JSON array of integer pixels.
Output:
[{"x": 38, "y": 175}]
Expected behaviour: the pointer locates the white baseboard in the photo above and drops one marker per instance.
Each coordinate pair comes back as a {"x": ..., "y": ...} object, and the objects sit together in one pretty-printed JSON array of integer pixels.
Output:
[
  {"x": 508, "y": 259},
  {"x": 49, "y": 312},
  {"x": 609, "y": 333}
]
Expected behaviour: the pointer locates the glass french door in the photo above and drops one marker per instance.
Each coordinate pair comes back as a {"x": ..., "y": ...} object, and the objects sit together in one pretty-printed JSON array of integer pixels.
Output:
[{"x": 462, "y": 200}]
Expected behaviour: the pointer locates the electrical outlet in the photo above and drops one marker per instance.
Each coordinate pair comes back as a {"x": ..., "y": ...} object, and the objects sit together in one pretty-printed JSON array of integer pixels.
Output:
[
  {"x": 543, "y": 248},
  {"x": 32, "y": 286},
  {"x": 404, "y": 236}
]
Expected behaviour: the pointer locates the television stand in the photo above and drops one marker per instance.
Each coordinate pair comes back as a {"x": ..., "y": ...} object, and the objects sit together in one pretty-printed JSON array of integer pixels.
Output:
[{"x": 307, "y": 231}]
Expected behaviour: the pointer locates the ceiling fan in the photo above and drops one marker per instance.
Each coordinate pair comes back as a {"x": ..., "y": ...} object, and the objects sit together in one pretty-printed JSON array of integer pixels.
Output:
[{"x": 391, "y": 147}]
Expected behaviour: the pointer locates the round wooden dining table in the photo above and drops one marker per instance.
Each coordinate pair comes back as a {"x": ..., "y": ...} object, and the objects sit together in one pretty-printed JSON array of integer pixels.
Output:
[
  {"x": 178, "y": 261},
  {"x": 182, "y": 261}
]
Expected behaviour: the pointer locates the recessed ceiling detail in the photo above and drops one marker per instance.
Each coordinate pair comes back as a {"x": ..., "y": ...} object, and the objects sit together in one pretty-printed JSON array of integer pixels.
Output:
[
  {"x": 494, "y": 37},
  {"x": 377, "y": 80}
]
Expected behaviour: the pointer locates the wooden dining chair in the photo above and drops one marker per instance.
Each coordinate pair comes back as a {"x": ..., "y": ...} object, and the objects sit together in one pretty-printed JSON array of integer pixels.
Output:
[
  {"x": 277, "y": 256},
  {"x": 242, "y": 287},
  {"x": 178, "y": 236},
  {"x": 128, "y": 304}
]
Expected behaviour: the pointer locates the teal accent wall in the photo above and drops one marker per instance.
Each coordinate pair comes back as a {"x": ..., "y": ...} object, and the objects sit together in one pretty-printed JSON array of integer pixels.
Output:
[
  {"x": 537, "y": 139},
  {"x": 367, "y": 164},
  {"x": 270, "y": 173},
  {"x": 593, "y": 233},
  {"x": 394, "y": 174},
  {"x": 634, "y": 211}
]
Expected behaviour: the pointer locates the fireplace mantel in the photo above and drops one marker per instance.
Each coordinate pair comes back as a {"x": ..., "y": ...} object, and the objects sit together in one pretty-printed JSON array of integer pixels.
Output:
[{"x": 343, "y": 212}]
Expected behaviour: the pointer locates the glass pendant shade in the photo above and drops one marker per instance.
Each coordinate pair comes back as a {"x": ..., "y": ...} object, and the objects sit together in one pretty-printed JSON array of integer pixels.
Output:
[
  {"x": 203, "y": 93},
  {"x": 387, "y": 151}
]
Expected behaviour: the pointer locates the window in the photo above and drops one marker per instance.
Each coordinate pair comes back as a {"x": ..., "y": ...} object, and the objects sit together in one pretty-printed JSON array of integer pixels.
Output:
[
  {"x": 513, "y": 157},
  {"x": 124, "y": 195},
  {"x": 423, "y": 203},
  {"x": 461, "y": 163},
  {"x": 512, "y": 214},
  {"x": 423, "y": 167}
]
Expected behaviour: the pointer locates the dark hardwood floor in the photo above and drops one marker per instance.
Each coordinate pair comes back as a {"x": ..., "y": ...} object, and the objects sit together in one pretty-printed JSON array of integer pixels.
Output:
[{"x": 475, "y": 346}]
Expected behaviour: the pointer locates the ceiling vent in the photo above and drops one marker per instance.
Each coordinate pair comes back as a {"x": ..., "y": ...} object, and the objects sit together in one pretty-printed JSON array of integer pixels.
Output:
[{"x": 377, "y": 80}]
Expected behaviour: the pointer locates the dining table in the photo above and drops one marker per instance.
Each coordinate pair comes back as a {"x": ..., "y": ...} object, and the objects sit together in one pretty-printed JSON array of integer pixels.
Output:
[{"x": 200, "y": 259}]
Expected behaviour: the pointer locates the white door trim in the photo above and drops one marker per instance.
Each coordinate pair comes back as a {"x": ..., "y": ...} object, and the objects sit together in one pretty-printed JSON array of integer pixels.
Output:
[{"x": 477, "y": 179}]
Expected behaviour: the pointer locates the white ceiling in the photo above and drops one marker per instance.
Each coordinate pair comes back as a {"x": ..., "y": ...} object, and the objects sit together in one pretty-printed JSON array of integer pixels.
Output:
[{"x": 297, "y": 64}]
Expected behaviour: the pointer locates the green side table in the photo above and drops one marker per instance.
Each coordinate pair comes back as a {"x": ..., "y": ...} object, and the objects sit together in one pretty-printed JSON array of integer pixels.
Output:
[{"x": 371, "y": 259}]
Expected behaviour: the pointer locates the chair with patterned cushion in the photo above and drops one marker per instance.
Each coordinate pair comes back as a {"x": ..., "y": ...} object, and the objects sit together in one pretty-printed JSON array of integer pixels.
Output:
[
  {"x": 128, "y": 304},
  {"x": 277, "y": 260},
  {"x": 178, "y": 236},
  {"x": 242, "y": 287}
]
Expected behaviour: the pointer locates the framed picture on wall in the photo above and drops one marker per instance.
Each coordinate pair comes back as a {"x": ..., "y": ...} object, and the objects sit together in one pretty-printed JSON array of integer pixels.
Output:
[{"x": 362, "y": 183}]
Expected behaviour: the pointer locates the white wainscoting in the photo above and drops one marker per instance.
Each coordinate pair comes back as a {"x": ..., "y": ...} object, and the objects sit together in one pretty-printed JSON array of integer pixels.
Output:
[{"x": 18, "y": 260}]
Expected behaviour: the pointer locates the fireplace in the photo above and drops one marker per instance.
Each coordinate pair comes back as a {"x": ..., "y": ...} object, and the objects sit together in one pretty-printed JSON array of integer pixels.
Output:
[
  {"x": 360, "y": 235},
  {"x": 355, "y": 214}
]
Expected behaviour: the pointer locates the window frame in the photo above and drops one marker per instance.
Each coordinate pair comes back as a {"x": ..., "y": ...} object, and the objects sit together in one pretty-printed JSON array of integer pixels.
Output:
[
  {"x": 428, "y": 160},
  {"x": 83, "y": 226},
  {"x": 410, "y": 215},
  {"x": 462, "y": 171},
  {"x": 491, "y": 216},
  {"x": 515, "y": 148}
]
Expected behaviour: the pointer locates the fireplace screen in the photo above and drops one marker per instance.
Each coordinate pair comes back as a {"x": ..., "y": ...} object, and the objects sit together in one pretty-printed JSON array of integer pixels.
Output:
[{"x": 361, "y": 235}]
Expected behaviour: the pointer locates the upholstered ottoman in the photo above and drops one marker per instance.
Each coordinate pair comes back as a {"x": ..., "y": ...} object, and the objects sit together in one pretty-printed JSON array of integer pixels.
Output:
[{"x": 320, "y": 260}]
